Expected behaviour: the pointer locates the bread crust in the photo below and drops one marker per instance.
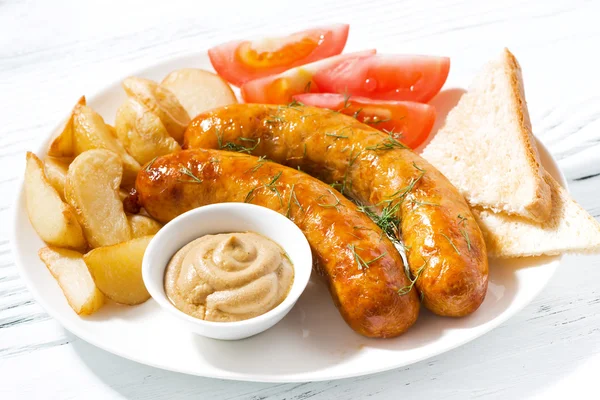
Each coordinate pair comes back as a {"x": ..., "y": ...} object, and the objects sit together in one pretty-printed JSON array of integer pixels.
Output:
[{"x": 541, "y": 207}]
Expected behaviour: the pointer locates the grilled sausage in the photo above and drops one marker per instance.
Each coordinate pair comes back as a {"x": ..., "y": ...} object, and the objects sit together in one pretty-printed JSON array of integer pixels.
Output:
[
  {"x": 364, "y": 271},
  {"x": 406, "y": 195}
]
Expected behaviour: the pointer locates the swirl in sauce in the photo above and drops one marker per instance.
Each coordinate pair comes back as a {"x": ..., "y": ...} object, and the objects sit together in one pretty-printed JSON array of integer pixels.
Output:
[{"x": 228, "y": 277}]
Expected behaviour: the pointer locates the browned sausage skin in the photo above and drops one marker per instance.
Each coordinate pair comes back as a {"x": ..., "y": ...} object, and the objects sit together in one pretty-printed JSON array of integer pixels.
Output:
[
  {"x": 445, "y": 247},
  {"x": 362, "y": 267}
]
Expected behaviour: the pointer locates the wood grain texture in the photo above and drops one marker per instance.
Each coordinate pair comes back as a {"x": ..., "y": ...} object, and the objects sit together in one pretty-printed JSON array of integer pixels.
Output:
[{"x": 53, "y": 52}]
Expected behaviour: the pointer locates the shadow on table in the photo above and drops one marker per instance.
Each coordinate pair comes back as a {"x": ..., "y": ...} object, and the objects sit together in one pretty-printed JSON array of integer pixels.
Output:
[{"x": 134, "y": 380}]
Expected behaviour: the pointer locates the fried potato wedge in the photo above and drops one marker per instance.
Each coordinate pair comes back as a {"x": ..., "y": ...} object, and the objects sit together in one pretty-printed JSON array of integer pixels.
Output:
[
  {"x": 54, "y": 220},
  {"x": 142, "y": 225},
  {"x": 117, "y": 270},
  {"x": 113, "y": 130},
  {"x": 92, "y": 188},
  {"x": 123, "y": 194},
  {"x": 62, "y": 145},
  {"x": 198, "y": 90},
  {"x": 74, "y": 278},
  {"x": 162, "y": 102},
  {"x": 142, "y": 133},
  {"x": 56, "y": 172},
  {"x": 91, "y": 132}
]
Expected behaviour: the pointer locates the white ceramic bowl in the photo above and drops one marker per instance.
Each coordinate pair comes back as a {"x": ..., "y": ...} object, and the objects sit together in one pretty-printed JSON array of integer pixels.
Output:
[{"x": 225, "y": 218}]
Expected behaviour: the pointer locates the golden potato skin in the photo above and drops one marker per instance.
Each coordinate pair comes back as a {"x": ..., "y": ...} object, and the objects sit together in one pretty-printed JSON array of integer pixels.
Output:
[
  {"x": 367, "y": 295},
  {"x": 436, "y": 223}
]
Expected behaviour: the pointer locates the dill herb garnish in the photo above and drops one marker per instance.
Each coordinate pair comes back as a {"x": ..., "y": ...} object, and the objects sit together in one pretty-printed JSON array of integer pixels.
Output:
[
  {"x": 463, "y": 231},
  {"x": 147, "y": 168},
  {"x": 307, "y": 87},
  {"x": 376, "y": 120},
  {"x": 424, "y": 203},
  {"x": 362, "y": 264},
  {"x": 294, "y": 104},
  {"x": 451, "y": 243},
  {"x": 417, "y": 167},
  {"x": 346, "y": 104},
  {"x": 345, "y": 184},
  {"x": 330, "y": 205},
  {"x": 259, "y": 163},
  {"x": 336, "y": 136},
  {"x": 219, "y": 136},
  {"x": 230, "y": 146},
  {"x": 389, "y": 143},
  {"x": 388, "y": 219},
  {"x": 294, "y": 199},
  {"x": 403, "y": 192},
  {"x": 275, "y": 119},
  {"x": 406, "y": 289},
  {"x": 194, "y": 178},
  {"x": 356, "y": 113},
  {"x": 270, "y": 186}
]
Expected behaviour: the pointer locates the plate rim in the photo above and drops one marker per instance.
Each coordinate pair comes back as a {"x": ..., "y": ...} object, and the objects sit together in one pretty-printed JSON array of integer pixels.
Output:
[{"x": 18, "y": 199}]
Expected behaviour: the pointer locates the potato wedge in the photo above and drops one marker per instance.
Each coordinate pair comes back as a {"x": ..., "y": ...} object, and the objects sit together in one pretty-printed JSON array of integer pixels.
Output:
[
  {"x": 62, "y": 144},
  {"x": 142, "y": 133},
  {"x": 142, "y": 225},
  {"x": 123, "y": 194},
  {"x": 56, "y": 172},
  {"x": 91, "y": 132},
  {"x": 74, "y": 278},
  {"x": 113, "y": 130},
  {"x": 92, "y": 188},
  {"x": 117, "y": 270},
  {"x": 54, "y": 220},
  {"x": 198, "y": 90},
  {"x": 161, "y": 102}
]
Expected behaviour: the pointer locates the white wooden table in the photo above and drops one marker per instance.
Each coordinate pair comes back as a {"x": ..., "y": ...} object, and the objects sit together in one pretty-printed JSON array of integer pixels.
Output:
[{"x": 51, "y": 52}]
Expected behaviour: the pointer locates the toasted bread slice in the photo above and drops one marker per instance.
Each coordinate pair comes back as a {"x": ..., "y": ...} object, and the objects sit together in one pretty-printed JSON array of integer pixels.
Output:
[
  {"x": 570, "y": 229},
  {"x": 486, "y": 147}
]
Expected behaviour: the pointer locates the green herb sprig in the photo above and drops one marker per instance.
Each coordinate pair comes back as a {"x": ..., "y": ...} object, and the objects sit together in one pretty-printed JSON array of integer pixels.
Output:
[
  {"x": 259, "y": 163},
  {"x": 230, "y": 146},
  {"x": 388, "y": 143},
  {"x": 362, "y": 264},
  {"x": 406, "y": 289},
  {"x": 294, "y": 199},
  {"x": 451, "y": 243},
  {"x": 270, "y": 186},
  {"x": 329, "y": 205},
  {"x": 147, "y": 167},
  {"x": 463, "y": 231},
  {"x": 186, "y": 171}
]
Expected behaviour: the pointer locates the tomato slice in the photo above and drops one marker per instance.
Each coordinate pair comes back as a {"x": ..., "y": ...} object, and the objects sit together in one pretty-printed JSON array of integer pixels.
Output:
[
  {"x": 279, "y": 89},
  {"x": 407, "y": 121},
  {"x": 241, "y": 61},
  {"x": 386, "y": 77}
]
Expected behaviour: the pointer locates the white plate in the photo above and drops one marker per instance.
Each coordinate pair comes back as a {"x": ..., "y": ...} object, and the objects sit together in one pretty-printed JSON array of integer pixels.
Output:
[{"x": 311, "y": 343}]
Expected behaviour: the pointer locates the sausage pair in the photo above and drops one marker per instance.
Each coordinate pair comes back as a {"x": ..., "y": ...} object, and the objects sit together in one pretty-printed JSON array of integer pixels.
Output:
[{"x": 406, "y": 195}]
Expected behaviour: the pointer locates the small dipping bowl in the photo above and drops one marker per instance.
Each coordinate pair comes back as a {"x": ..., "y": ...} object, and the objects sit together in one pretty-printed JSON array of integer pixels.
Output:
[{"x": 227, "y": 218}]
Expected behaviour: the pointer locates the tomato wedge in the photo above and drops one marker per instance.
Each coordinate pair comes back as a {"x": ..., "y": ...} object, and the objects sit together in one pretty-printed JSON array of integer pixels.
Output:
[
  {"x": 386, "y": 77},
  {"x": 407, "y": 121},
  {"x": 241, "y": 61},
  {"x": 279, "y": 89}
]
